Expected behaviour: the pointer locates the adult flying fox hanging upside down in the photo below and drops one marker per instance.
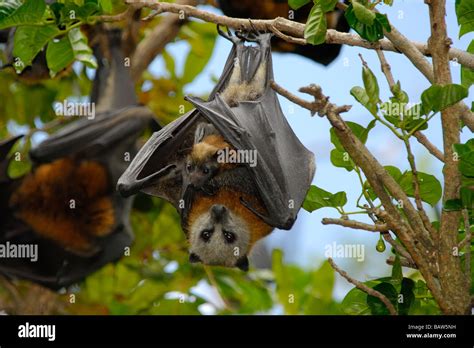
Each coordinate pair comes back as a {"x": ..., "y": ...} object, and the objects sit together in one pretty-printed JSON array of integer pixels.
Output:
[
  {"x": 68, "y": 204},
  {"x": 226, "y": 207}
]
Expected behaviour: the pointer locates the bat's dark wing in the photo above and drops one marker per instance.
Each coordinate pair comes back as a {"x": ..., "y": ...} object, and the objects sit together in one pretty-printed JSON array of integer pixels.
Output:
[
  {"x": 158, "y": 166},
  {"x": 285, "y": 167},
  {"x": 108, "y": 131}
]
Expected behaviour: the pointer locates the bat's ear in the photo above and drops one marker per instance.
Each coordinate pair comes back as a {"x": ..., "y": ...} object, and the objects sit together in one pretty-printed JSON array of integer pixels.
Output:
[
  {"x": 243, "y": 264},
  {"x": 193, "y": 258}
]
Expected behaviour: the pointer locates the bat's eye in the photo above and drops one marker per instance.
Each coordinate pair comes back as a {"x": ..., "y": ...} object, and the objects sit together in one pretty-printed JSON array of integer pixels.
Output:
[
  {"x": 205, "y": 170},
  {"x": 206, "y": 235},
  {"x": 229, "y": 236},
  {"x": 189, "y": 167}
]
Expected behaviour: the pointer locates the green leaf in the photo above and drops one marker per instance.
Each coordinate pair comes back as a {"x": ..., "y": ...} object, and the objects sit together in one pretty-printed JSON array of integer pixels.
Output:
[
  {"x": 317, "y": 198},
  {"x": 316, "y": 26},
  {"x": 467, "y": 197},
  {"x": 376, "y": 306},
  {"x": 373, "y": 32},
  {"x": 296, "y": 4},
  {"x": 363, "y": 14},
  {"x": 29, "y": 13},
  {"x": 394, "y": 172},
  {"x": 29, "y": 40},
  {"x": 452, "y": 205},
  {"x": 399, "y": 95},
  {"x": 465, "y": 15},
  {"x": 60, "y": 54},
  {"x": 339, "y": 199},
  {"x": 341, "y": 159},
  {"x": 406, "y": 296},
  {"x": 467, "y": 74},
  {"x": 363, "y": 98},
  {"x": 328, "y": 5},
  {"x": 430, "y": 187},
  {"x": 371, "y": 85},
  {"x": 397, "y": 274},
  {"x": 437, "y": 98},
  {"x": 466, "y": 164},
  {"x": 202, "y": 38}
]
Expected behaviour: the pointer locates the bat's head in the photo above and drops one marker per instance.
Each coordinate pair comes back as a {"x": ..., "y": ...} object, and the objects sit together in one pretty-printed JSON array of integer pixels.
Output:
[
  {"x": 219, "y": 237},
  {"x": 221, "y": 231},
  {"x": 199, "y": 173},
  {"x": 202, "y": 163}
]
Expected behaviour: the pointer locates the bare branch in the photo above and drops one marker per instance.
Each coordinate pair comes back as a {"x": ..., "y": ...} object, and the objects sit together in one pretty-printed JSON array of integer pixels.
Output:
[
  {"x": 291, "y": 30},
  {"x": 356, "y": 225},
  {"x": 386, "y": 69},
  {"x": 423, "y": 140},
  {"x": 404, "y": 262},
  {"x": 416, "y": 191},
  {"x": 365, "y": 288},
  {"x": 397, "y": 246}
]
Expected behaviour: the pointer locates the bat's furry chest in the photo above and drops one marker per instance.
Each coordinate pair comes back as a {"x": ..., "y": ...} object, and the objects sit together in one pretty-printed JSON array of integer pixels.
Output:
[{"x": 67, "y": 201}]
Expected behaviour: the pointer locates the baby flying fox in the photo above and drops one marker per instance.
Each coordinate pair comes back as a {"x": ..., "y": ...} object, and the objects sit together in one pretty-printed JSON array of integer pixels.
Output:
[{"x": 201, "y": 163}]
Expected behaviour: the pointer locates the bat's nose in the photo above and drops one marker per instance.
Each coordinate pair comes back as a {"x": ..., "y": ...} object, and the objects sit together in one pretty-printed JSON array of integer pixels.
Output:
[{"x": 218, "y": 211}]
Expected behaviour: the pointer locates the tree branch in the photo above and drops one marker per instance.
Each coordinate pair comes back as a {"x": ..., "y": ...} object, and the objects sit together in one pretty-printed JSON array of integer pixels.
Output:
[
  {"x": 423, "y": 140},
  {"x": 356, "y": 225},
  {"x": 404, "y": 262},
  {"x": 365, "y": 288},
  {"x": 380, "y": 181},
  {"x": 291, "y": 30},
  {"x": 451, "y": 276}
]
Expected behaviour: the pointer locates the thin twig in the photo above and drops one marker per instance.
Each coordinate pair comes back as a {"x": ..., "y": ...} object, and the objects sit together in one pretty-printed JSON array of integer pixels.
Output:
[
  {"x": 397, "y": 246},
  {"x": 385, "y": 67},
  {"x": 423, "y": 140},
  {"x": 355, "y": 224},
  {"x": 404, "y": 262},
  {"x": 416, "y": 191},
  {"x": 364, "y": 288}
]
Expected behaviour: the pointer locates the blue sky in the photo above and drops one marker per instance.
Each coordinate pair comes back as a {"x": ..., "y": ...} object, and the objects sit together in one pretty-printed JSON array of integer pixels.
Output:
[{"x": 305, "y": 243}]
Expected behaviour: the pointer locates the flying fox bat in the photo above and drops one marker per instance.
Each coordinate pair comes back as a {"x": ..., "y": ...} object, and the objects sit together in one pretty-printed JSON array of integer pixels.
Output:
[
  {"x": 244, "y": 110},
  {"x": 68, "y": 205},
  {"x": 270, "y": 9}
]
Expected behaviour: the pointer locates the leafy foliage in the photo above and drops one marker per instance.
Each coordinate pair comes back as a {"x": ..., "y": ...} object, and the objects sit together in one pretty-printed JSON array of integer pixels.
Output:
[{"x": 368, "y": 24}]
